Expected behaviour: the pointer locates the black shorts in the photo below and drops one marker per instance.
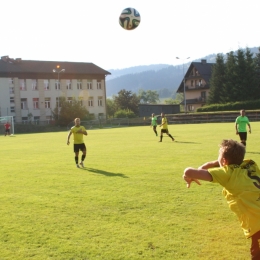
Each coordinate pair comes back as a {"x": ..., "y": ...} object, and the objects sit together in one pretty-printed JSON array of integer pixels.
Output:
[
  {"x": 7, "y": 130},
  {"x": 255, "y": 248},
  {"x": 81, "y": 147},
  {"x": 164, "y": 131},
  {"x": 243, "y": 135}
]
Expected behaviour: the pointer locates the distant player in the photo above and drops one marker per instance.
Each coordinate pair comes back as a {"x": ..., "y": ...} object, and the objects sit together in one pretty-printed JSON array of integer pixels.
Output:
[
  {"x": 7, "y": 128},
  {"x": 241, "y": 122},
  {"x": 164, "y": 128},
  {"x": 78, "y": 131},
  {"x": 154, "y": 123}
]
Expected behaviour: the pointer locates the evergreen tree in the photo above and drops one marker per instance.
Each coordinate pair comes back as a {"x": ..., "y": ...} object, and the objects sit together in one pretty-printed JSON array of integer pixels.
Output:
[
  {"x": 217, "y": 93},
  {"x": 229, "y": 86},
  {"x": 240, "y": 86},
  {"x": 257, "y": 73},
  {"x": 251, "y": 80}
]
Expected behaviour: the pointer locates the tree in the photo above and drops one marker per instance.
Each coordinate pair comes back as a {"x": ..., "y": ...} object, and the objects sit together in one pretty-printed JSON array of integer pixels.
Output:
[
  {"x": 257, "y": 70},
  {"x": 148, "y": 96},
  {"x": 179, "y": 98},
  {"x": 111, "y": 109},
  {"x": 127, "y": 101},
  {"x": 69, "y": 111},
  {"x": 217, "y": 93},
  {"x": 229, "y": 86}
]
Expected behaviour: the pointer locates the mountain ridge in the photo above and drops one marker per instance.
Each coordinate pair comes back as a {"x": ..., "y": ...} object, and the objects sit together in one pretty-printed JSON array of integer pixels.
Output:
[{"x": 163, "y": 78}]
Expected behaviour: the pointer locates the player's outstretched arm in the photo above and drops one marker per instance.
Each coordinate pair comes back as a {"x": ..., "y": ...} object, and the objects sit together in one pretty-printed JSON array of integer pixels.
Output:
[
  {"x": 192, "y": 174},
  {"x": 208, "y": 165}
]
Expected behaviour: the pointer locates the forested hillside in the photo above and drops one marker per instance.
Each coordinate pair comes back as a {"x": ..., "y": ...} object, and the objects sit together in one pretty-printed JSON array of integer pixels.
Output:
[{"x": 161, "y": 77}]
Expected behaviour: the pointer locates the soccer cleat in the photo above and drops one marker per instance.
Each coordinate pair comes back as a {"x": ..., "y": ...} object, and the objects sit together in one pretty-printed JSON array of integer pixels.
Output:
[
  {"x": 82, "y": 164},
  {"x": 77, "y": 166},
  {"x": 173, "y": 139}
]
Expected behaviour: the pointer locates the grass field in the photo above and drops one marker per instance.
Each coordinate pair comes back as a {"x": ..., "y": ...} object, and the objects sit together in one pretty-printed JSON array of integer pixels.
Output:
[{"x": 129, "y": 202}]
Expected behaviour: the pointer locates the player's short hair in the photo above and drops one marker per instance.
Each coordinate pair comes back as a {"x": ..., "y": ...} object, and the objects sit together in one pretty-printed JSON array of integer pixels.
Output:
[
  {"x": 76, "y": 119},
  {"x": 233, "y": 151}
]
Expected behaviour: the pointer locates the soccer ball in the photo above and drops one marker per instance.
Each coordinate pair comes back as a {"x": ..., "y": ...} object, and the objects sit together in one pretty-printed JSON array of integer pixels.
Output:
[{"x": 129, "y": 18}]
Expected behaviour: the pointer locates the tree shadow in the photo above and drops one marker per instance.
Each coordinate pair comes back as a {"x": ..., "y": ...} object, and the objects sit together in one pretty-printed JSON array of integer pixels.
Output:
[{"x": 108, "y": 174}]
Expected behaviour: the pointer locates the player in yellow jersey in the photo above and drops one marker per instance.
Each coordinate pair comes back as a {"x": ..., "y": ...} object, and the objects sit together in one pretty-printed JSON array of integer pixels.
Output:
[
  {"x": 78, "y": 131},
  {"x": 241, "y": 187},
  {"x": 164, "y": 128}
]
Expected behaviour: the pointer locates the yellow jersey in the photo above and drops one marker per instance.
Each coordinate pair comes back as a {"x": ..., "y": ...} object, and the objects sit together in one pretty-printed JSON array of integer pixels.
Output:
[
  {"x": 78, "y": 137},
  {"x": 242, "y": 191},
  {"x": 164, "y": 123}
]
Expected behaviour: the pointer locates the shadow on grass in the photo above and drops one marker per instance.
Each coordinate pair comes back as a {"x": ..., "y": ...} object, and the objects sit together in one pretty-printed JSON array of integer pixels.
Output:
[
  {"x": 108, "y": 174},
  {"x": 253, "y": 152},
  {"x": 176, "y": 141}
]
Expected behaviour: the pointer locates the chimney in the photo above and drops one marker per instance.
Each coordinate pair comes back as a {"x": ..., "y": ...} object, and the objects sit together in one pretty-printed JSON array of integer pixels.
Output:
[{"x": 203, "y": 61}]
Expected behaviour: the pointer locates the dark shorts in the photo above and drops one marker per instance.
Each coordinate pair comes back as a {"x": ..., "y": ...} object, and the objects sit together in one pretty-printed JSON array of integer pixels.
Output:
[
  {"x": 81, "y": 147},
  {"x": 154, "y": 127},
  {"x": 164, "y": 131},
  {"x": 7, "y": 130},
  {"x": 243, "y": 135},
  {"x": 255, "y": 246}
]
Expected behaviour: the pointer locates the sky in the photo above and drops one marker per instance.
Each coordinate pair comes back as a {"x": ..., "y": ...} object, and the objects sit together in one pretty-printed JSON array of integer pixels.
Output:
[{"x": 89, "y": 30}]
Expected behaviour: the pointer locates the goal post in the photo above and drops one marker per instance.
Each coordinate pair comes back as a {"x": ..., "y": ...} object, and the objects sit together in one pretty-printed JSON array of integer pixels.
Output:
[{"x": 4, "y": 120}]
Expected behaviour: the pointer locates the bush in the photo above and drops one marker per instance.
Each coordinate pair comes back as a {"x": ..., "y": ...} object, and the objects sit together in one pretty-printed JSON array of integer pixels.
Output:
[
  {"x": 124, "y": 113},
  {"x": 248, "y": 105}
]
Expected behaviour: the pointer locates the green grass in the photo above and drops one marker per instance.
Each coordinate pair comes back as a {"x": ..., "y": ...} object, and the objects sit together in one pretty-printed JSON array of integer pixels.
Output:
[{"x": 130, "y": 201}]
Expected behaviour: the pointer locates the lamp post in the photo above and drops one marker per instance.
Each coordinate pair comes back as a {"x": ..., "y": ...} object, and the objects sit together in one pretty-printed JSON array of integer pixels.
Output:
[
  {"x": 184, "y": 89},
  {"x": 58, "y": 86}
]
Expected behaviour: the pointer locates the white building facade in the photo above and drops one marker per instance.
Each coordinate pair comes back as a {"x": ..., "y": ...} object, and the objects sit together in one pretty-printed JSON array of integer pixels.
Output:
[{"x": 30, "y": 90}]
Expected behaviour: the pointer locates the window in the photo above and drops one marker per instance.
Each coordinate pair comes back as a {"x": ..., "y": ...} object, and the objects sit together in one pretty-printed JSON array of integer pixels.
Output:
[
  {"x": 79, "y": 84},
  {"x": 89, "y": 85},
  {"x": 99, "y": 85},
  {"x": 68, "y": 83},
  {"x": 46, "y": 84},
  {"x": 203, "y": 96},
  {"x": 190, "y": 108},
  {"x": 81, "y": 101},
  {"x": 57, "y": 101},
  {"x": 24, "y": 103},
  {"x": 11, "y": 99},
  {"x": 25, "y": 119},
  {"x": 22, "y": 84},
  {"x": 11, "y": 81},
  {"x": 70, "y": 99},
  {"x": 191, "y": 83},
  {"x": 11, "y": 90},
  {"x": 47, "y": 102},
  {"x": 90, "y": 102},
  {"x": 57, "y": 85},
  {"x": 35, "y": 103},
  {"x": 12, "y": 109},
  {"x": 100, "y": 102},
  {"x": 34, "y": 84}
]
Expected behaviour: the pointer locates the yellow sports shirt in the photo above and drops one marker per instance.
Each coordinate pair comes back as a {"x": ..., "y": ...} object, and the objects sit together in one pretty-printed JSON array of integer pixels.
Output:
[
  {"x": 164, "y": 123},
  {"x": 78, "y": 137},
  {"x": 242, "y": 191}
]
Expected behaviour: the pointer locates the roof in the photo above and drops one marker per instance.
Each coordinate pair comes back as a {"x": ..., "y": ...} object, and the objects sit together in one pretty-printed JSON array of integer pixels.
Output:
[
  {"x": 13, "y": 66},
  {"x": 204, "y": 69}
]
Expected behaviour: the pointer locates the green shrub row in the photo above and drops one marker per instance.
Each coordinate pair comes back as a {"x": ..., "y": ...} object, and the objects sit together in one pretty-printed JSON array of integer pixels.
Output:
[{"x": 248, "y": 105}]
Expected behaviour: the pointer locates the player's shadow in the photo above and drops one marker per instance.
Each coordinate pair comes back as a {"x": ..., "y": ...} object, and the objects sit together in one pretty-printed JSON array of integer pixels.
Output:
[
  {"x": 253, "y": 152},
  {"x": 108, "y": 174},
  {"x": 185, "y": 142}
]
